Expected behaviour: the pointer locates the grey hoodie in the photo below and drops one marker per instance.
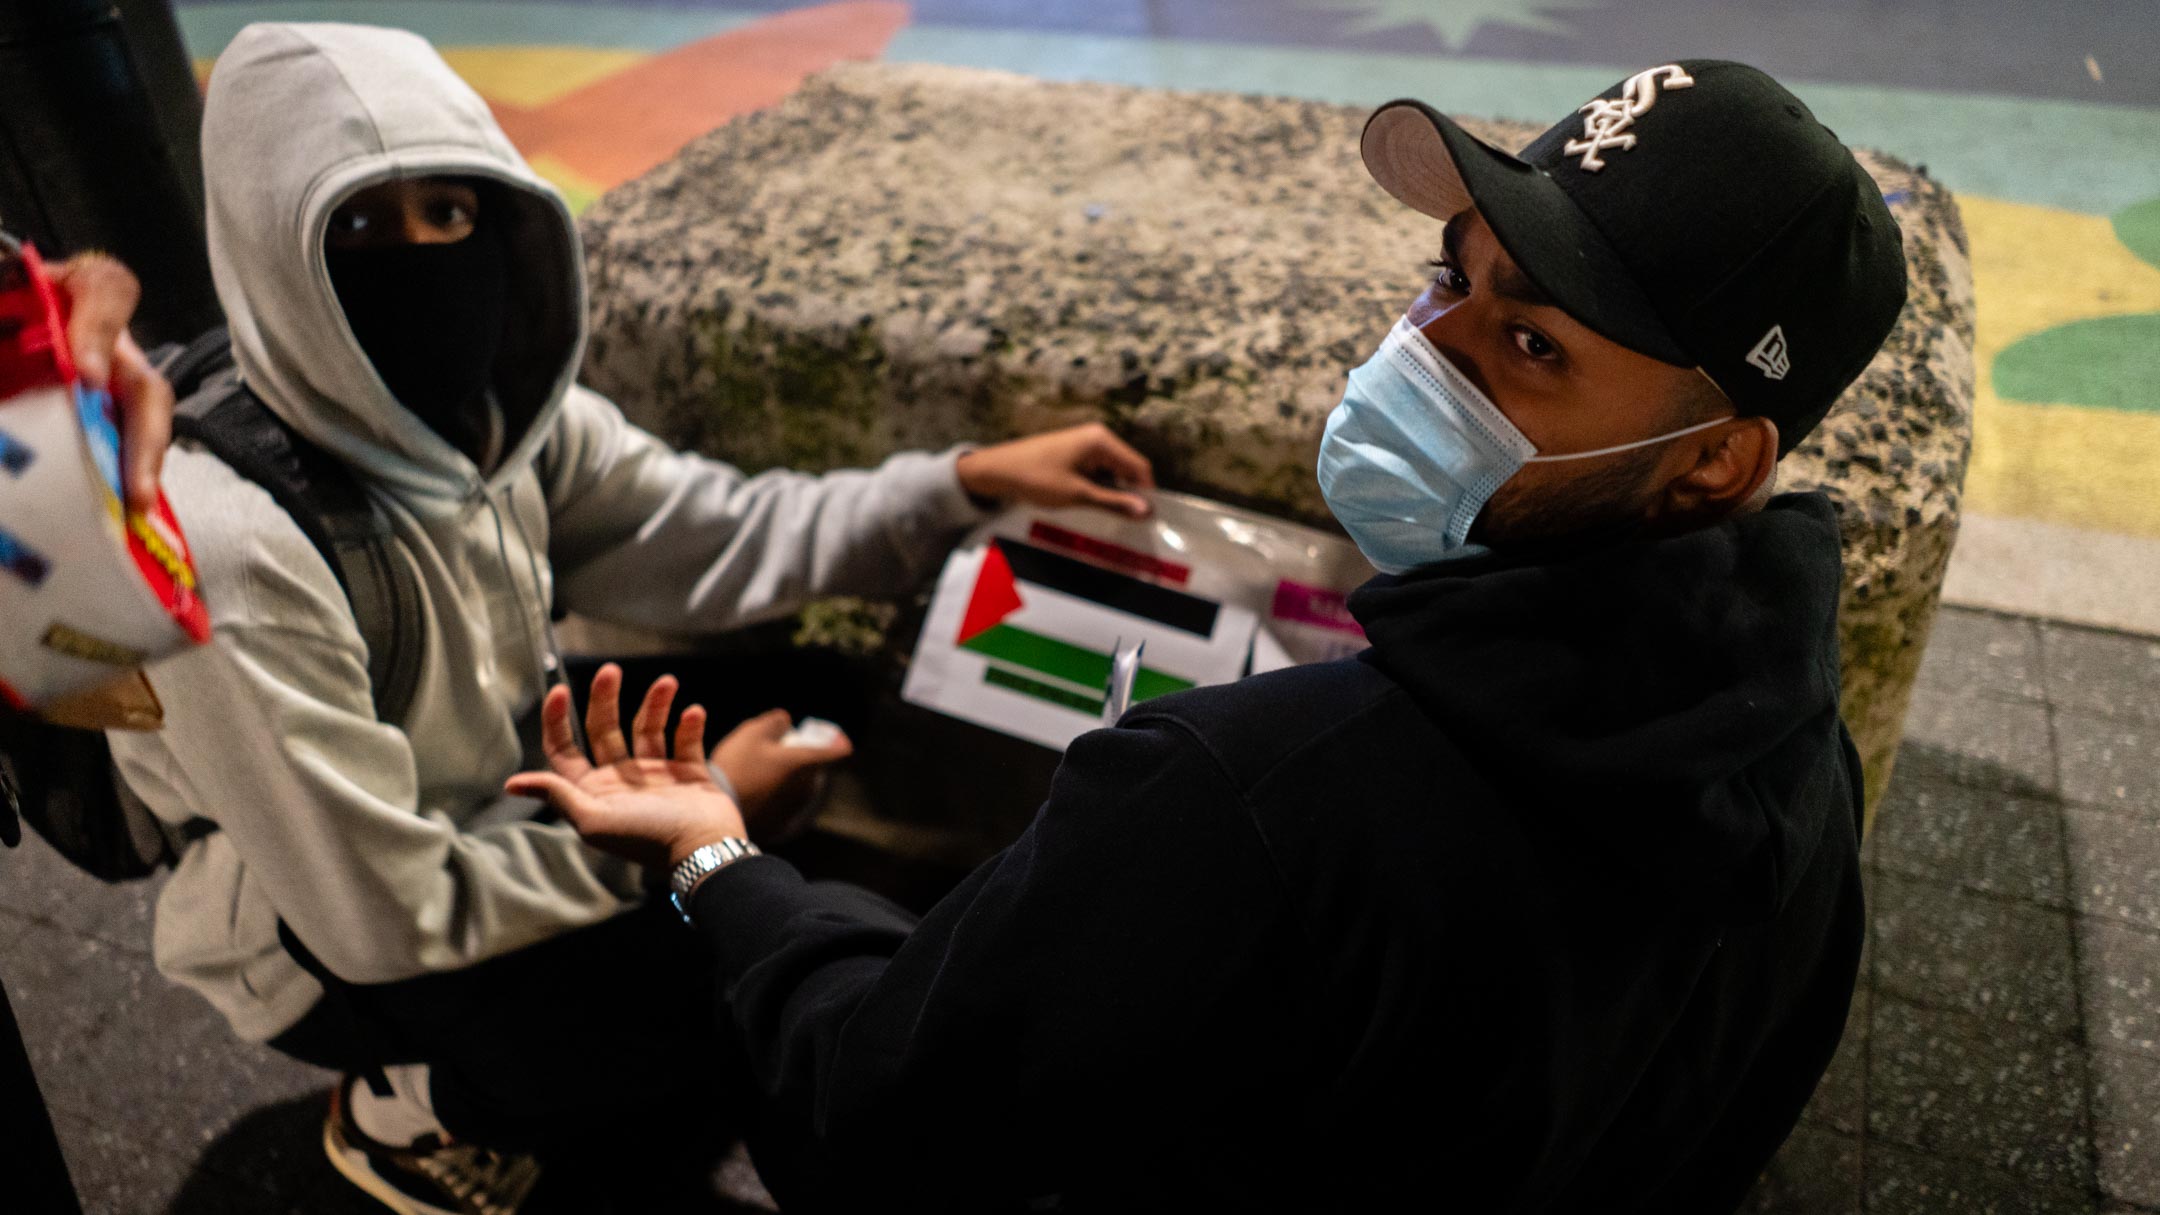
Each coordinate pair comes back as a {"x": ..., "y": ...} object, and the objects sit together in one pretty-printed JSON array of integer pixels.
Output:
[{"x": 354, "y": 831}]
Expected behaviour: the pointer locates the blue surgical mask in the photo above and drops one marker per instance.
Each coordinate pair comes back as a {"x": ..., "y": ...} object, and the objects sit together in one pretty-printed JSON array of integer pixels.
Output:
[{"x": 1415, "y": 451}]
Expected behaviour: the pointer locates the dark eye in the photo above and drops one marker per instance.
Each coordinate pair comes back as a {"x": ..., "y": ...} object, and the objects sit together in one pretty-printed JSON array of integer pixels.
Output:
[
  {"x": 452, "y": 215},
  {"x": 348, "y": 223},
  {"x": 1448, "y": 278},
  {"x": 1535, "y": 344}
]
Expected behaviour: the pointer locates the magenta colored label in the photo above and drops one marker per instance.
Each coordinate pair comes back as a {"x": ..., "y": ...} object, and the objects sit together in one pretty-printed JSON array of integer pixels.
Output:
[{"x": 1314, "y": 605}]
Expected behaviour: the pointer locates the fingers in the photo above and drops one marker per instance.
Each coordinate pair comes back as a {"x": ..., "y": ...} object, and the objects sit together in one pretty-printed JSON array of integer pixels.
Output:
[
  {"x": 648, "y": 730},
  {"x": 1115, "y": 501},
  {"x": 1117, "y": 457},
  {"x": 603, "y": 717},
  {"x": 146, "y": 409},
  {"x": 577, "y": 805},
  {"x": 101, "y": 295},
  {"x": 556, "y": 737},
  {"x": 771, "y": 725},
  {"x": 690, "y": 736}
]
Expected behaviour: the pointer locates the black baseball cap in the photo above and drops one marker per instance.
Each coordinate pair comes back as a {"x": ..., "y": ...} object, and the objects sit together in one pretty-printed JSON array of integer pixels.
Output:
[{"x": 1695, "y": 212}]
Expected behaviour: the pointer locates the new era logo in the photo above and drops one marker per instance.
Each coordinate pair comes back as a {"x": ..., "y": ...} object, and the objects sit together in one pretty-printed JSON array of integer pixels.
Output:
[{"x": 1770, "y": 355}]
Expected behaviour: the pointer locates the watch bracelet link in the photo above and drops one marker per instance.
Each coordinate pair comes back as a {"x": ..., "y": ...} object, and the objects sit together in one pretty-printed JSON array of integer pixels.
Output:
[{"x": 683, "y": 879}]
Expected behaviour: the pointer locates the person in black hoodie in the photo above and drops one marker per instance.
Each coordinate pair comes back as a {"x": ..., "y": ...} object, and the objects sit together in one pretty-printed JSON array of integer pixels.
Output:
[{"x": 1548, "y": 901}]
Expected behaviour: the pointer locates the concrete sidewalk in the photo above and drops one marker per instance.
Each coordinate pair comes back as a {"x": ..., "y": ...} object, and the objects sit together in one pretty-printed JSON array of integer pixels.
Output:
[{"x": 2004, "y": 1053}]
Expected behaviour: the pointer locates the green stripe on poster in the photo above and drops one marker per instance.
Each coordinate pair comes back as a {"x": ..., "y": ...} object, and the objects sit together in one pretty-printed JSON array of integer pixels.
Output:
[
  {"x": 1064, "y": 660},
  {"x": 1150, "y": 684},
  {"x": 999, "y": 677}
]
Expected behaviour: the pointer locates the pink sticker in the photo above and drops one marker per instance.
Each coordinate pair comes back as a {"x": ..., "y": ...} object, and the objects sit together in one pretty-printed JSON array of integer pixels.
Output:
[{"x": 1314, "y": 605}]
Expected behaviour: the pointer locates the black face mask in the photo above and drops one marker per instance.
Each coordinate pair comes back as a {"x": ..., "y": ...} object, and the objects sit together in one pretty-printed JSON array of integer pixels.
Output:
[{"x": 430, "y": 317}]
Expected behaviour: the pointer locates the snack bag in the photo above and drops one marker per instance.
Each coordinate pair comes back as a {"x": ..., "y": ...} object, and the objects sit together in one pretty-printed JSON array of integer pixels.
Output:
[{"x": 89, "y": 590}]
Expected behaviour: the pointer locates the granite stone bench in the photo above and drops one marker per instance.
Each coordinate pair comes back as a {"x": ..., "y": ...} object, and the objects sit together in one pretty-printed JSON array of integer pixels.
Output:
[{"x": 907, "y": 256}]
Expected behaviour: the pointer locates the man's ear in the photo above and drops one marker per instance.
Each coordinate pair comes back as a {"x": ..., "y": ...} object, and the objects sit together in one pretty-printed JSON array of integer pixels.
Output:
[{"x": 1727, "y": 475}]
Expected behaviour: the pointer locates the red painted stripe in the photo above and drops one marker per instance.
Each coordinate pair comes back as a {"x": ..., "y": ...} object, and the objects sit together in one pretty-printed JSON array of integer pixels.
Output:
[{"x": 1102, "y": 552}]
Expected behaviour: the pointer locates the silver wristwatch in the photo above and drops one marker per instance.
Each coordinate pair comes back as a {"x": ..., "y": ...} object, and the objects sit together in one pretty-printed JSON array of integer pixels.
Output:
[{"x": 702, "y": 864}]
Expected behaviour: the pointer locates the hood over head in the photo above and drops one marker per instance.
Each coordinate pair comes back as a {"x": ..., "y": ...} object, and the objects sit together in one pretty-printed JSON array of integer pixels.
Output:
[
  {"x": 301, "y": 116},
  {"x": 1664, "y": 709}
]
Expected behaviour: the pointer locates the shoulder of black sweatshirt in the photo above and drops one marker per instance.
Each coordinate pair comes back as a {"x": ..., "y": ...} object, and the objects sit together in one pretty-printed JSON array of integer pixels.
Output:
[{"x": 1658, "y": 716}]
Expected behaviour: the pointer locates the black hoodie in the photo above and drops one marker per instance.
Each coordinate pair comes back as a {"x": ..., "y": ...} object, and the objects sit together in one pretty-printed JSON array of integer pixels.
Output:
[{"x": 1549, "y": 901}]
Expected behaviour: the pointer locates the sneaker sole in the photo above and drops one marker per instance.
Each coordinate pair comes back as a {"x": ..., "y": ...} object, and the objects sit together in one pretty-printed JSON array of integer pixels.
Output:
[{"x": 351, "y": 1162}]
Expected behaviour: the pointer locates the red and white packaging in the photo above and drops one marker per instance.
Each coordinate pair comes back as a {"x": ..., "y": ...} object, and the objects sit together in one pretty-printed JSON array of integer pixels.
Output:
[{"x": 89, "y": 590}]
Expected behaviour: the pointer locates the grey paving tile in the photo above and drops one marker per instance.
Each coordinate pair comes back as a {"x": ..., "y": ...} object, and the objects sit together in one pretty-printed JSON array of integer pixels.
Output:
[
  {"x": 117, "y": 1172},
  {"x": 274, "y": 1150},
  {"x": 1979, "y": 740},
  {"x": 114, "y": 1043},
  {"x": 1904, "y": 1182},
  {"x": 112, "y": 1172},
  {"x": 2114, "y": 865},
  {"x": 1978, "y": 1091},
  {"x": 1980, "y": 652},
  {"x": 2113, "y": 674},
  {"x": 1981, "y": 839},
  {"x": 1817, "y": 1172},
  {"x": 1950, "y": 948},
  {"x": 38, "y": 882},
  {"x": 1840, "y": 1100},
  {"x": 2121, "y": 967},
  {"x": 2126, "y": 1125},
  {"x": 2109, "y": 762}
]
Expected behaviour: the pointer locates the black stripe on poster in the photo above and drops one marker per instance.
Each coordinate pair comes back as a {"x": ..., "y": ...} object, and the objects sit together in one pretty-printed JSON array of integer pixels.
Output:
[{"x": 1116, "y": 591}]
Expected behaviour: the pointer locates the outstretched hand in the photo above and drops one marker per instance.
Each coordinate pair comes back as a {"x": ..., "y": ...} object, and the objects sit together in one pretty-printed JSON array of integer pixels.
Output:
[{"x": 636, "y": 798}]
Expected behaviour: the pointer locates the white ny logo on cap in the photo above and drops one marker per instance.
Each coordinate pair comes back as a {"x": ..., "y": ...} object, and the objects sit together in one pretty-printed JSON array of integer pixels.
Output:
[{"x": 1608, "y": 121}]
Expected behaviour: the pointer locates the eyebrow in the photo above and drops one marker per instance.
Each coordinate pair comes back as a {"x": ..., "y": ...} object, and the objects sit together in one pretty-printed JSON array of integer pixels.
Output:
[{"x": 1508, "y": 281}]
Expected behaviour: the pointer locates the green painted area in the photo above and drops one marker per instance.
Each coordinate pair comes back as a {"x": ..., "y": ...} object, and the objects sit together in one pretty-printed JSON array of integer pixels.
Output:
[
  {"x": 1066, "y": 661},
  {"x": 999, "y": 677},
  {"x": 2139, "y": 228},
  {"x": 2109, "y": 362},
  {"x": 208, "y": 27}
]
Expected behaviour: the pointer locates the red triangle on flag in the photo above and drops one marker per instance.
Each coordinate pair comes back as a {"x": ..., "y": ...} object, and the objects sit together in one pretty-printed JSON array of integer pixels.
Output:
[{"x": 995, "y": 596}]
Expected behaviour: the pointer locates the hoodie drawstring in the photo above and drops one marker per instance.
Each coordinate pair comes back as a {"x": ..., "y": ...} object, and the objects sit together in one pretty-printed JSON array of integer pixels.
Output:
[{"x": 542, "y": 646}]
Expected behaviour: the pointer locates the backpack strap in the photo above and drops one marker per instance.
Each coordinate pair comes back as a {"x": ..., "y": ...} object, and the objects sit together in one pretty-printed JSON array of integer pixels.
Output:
[{"x": 323, "y": 498}]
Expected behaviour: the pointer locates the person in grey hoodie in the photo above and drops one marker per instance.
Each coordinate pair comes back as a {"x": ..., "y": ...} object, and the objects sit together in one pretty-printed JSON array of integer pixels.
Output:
[{"x": 407, "y": 295}]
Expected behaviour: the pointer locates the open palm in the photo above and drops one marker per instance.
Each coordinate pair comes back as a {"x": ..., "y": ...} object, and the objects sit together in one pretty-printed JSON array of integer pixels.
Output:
[{"x": 639, "y": 798}]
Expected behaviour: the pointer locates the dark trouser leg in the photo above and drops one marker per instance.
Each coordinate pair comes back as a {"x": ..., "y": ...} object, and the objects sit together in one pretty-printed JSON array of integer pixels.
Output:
[{"x": 599, "y": 1042}]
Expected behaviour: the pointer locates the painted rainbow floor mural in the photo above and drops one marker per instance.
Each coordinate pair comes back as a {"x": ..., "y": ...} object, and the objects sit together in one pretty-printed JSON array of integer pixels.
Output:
[{"x": 2045, "y": 119}]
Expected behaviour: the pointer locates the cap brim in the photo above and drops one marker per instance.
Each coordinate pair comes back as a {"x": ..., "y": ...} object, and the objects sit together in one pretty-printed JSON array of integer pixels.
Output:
[{"x": 1424, "y": 159}]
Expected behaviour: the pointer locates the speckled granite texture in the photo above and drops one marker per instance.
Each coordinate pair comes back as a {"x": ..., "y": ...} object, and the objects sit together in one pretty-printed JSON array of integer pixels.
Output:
[{"x": 906, "y": 255}]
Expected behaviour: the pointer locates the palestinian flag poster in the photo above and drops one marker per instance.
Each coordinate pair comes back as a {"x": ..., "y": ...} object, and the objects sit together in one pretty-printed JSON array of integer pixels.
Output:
[{"x": 1027, "y": 615}]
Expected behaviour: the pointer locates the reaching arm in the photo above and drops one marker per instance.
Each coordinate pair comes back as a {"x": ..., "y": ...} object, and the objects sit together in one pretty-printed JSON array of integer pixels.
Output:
[
  {"x": 646, "y": 536},
  {"x": 661, "y": 539}
]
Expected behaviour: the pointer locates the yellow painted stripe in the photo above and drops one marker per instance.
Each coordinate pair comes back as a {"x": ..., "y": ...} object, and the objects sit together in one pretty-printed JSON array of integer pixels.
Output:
[
  {"x": 2090, "y": 468},
  {"x": 533, "y": 76}
]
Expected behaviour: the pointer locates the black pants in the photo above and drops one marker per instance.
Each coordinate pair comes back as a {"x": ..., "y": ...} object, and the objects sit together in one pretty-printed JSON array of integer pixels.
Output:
[{"x": 549, "y": 1044}]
